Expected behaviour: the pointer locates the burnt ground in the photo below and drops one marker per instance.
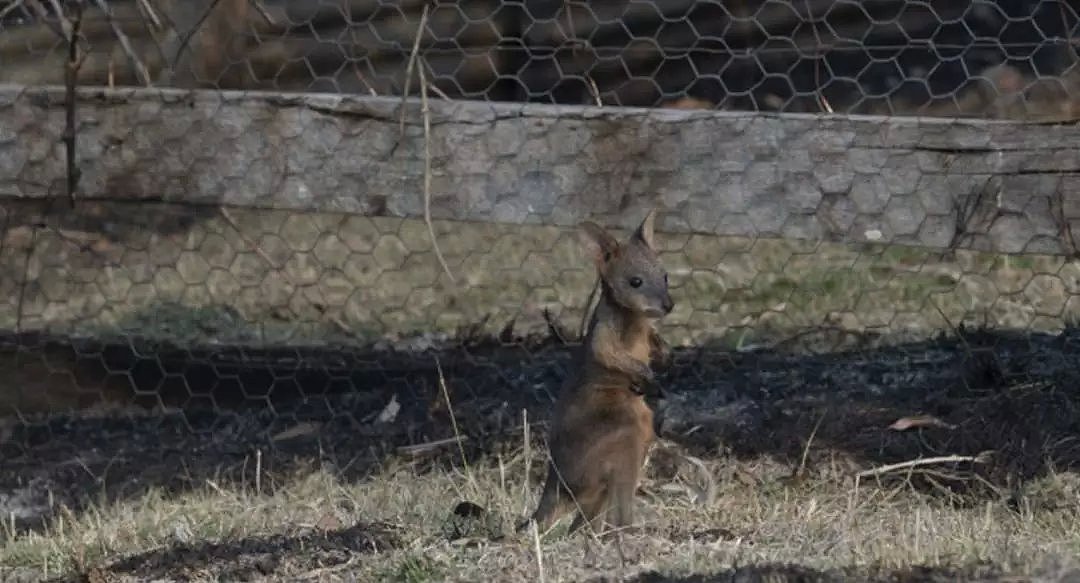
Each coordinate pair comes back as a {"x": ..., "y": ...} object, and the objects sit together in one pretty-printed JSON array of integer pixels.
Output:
[{"x": 1014, "y": 396}]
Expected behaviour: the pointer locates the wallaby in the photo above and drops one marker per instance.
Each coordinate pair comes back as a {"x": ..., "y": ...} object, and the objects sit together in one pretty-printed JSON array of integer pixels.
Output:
[
  {"x": 206, "y": 42},
  {"x": 602, "y": 428}
]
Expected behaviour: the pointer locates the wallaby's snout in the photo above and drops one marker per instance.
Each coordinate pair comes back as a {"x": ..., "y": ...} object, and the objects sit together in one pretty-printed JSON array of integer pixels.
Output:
[
  {"x": 657, "y": 305},
  {"x": 667, "y": 303}
]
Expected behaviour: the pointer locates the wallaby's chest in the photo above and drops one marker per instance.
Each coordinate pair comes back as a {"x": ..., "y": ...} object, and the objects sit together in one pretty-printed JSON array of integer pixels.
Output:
[
  {"x": 638, "y": 343},
  {"x": 592, "y": 409}
]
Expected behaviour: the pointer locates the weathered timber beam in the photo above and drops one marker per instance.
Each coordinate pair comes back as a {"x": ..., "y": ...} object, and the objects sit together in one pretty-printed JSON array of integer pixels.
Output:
[{"x": 988, "y": 185}]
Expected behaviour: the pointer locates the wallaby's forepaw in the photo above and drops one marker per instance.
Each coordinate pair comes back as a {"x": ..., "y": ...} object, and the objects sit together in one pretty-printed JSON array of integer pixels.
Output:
[
  {"x": 646, "y": 383},
  {"x": 661, "y": 353}
]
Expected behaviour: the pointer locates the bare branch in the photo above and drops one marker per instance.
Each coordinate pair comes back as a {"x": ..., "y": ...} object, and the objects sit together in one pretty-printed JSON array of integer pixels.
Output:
[
  {"x": 412, "y": 64},
  {"x": 148, "y": 10},
  {"x": 945, "y": 459},
  {"x": 258, "y": 6},
  {"x": 427, "y": 175},
  {"x": 10, "y": 8},
  {"x": 140, "y": 69},
  {"x": 71, "y": 81}
]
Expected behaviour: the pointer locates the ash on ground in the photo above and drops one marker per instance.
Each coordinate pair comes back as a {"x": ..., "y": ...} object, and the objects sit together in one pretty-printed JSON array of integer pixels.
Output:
[{"x": 1009, "y": 398}]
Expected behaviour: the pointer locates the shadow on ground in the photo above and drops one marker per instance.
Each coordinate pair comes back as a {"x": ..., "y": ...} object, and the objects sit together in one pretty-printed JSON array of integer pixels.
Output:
[
  {"x": 799, "y": 574},
  {"x": 246, "y": 559},
  {"x": 348, "y": 410}
]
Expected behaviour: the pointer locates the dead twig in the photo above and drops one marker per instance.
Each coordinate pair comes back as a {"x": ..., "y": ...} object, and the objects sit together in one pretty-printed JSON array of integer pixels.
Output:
[
  {"x": 148, "y": 10},
  {"x": 426, "y": 113},
  {"x": 817, "y": 62},
  {"x": 453, "y": 418},
  {"x": 539, "y": 554},
  {"x": 10, "y": 8},
  {"x": 65, "y": 24},
  {"x": 916, "y": 421},
  {"x": 595, "y": 91},
  {"x": 25, "y": 278},
  {"x": 71, "y": 81},
  {"x": 360, "y": 77},
  {"x": 801, "y": 470},
  {"x": 431, "y": 85},
  {"x": 225, "y": 214},
  {"x": 420, "y": 448},
  {"x": 427, "y": 176},
  {"x": 39, "y": 11},
  {"x": 136, "y": 63},
  {"x": 258, "y": 6},
  {"x": 589, "y": 308},
  {"x": 554, "y": 327},
  {"x": 409, "y": 69},
  {"x": 908, "y": 465}
]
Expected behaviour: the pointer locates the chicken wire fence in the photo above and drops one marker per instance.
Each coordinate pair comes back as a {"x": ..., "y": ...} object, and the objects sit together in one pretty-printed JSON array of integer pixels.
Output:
[
  {"x": 1008, "y": 58},
  {"x": 257, "y": 267}
]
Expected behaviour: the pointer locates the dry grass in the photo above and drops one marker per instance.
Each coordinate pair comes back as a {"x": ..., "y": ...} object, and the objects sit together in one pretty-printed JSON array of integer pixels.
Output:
[{"x": 757, "y": 515}]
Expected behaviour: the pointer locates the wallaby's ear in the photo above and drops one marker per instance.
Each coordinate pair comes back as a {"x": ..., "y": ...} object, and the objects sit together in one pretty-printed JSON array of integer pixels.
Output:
[
  {"x": 644, "y": 231},
  {"x": 598, "y": 243}
]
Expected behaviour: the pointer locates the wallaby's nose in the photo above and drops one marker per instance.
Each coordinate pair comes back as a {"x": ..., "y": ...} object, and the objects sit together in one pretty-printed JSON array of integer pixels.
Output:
[{"x": 668, "y": 304}]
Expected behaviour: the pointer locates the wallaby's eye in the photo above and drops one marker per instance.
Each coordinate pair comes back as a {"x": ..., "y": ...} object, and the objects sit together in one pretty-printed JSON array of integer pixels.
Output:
[
  {"x": 665, "y": 279},
  {"x": 635, "y": 281}
]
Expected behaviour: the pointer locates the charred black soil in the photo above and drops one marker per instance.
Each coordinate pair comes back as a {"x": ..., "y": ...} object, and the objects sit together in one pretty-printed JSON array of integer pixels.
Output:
[{"x": 1005, "y": 407}]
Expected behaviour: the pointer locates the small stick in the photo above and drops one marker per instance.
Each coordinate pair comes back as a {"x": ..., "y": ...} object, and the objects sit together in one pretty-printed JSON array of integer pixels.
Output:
[
  {"x": 945, "y": 459},
  {"x": 71, "y": 81},
  {"x": 453, "y": 418},
  {"x": 150, "y": 13},
  {"x": 43, "y": 16},
  {"x": 528, "y": 459},
  {"x": 258, "y": 472},
  {"x": 225, "y": 214},
  {"x": 140, "y": 69},
  {"x": 539, "y": 555},
  {"x": 427, "y": 174},
  {"x": 502, "y": 474},
  {"x": 258, "y": 6},
  {"x": 595, "y": 92},
  {"x": 410, "y": 66},
  {"x": 431, "y": 86},
  {"x": 588, "y": 309},
  {"x": 215, "y": 487},
  {"x": 806, "y": 450},
  {"x": 596, "y": 284},
  {"x": 360, "y": 76},
  {"x": 428, "y": 446},
  {"x": 10, "y": 8},
  {"x": 65, "y": 25}
]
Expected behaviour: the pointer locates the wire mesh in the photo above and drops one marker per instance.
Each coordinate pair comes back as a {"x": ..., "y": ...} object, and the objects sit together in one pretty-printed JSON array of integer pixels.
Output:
[
  {"x": 1007, "y": 58},
  {"x": 242, "y": 274}
]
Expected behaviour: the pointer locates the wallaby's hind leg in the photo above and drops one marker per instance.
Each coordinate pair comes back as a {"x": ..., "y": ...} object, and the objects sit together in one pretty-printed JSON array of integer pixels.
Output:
[
  {"x": 554, "y": 503},
  {"x": 622, "y": 515},
  {"x": 592, "y": 512},
  {"x": 623, "y": 488}
]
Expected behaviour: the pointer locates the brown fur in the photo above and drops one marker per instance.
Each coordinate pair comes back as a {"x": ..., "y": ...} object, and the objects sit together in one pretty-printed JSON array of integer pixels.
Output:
[
  {"x": 218, "y": 42},
  {"x": 689, "y": 103},
  {"x": 602, "y": 428}
]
